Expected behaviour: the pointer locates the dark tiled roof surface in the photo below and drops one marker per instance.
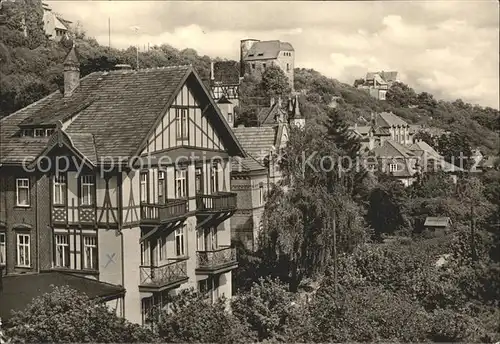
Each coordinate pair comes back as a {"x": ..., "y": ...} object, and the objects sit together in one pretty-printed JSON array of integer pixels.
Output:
[
  {"x": 268, "y": 49},
  {"x": 247, "y": 164},
  {"x": 19, "y": 290},
  {"x": 267, "y": 115},
  {"x": 388, "y": 119},
  {"x": 256, "y": 141},
  {"x": 117, "y": 109}
]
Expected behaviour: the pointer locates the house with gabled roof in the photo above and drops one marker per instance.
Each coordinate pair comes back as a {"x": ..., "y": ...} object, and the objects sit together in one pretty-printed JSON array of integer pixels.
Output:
[
  {"x": 55, "y": 27},
  {"x": 378, "y": 83},
  {"x": 123, "y": 178},
  {"x": 256, "y": 56}
]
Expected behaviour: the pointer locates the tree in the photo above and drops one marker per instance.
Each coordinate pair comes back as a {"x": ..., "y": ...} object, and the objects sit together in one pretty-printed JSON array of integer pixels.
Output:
[
  {"x": 275, "y": 82},
  {"x": 386, "y": 210},
  {"x": 401, "y": 95},
  {"x": 338, "y": 132},
  {"x": 425, "y": 137},
  {"x": 191, "y": 318},
  {"x": 358, "y": 82},
  {"x": 298, "y": 223},
  {"x": 455, "y": 148},
  {"x": 65, "y": 315},
  {"x": 267, "y": 309}
]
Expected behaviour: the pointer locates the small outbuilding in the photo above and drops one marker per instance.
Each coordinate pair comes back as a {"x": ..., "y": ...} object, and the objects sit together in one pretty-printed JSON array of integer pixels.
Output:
[{"x": 437, "y": 223}]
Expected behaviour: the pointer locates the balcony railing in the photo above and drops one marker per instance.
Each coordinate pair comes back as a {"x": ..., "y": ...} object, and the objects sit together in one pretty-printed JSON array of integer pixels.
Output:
[
  {"x": 161, "y": 212},
  {"x": 220, "y": 201},
  {"x": 160, "y": 276},
  {"x": 216, "y": 258}
]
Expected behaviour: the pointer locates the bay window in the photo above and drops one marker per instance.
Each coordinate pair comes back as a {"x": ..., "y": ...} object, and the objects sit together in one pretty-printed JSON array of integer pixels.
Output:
[{"x": 180, "y": 183}]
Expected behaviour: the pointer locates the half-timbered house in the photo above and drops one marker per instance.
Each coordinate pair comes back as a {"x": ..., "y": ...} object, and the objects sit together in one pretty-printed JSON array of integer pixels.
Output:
[{"x": 125, "y": 178}]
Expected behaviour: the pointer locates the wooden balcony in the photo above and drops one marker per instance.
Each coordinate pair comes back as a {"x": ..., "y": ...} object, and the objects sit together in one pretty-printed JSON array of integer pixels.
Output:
[
  {"x": 155, "y": 214},
  {"x": 216, "y": 261},
  {"x": 73, "y": 214},
  {"x": 158, "y": 278},
  {"x": 219, "y": 202}
]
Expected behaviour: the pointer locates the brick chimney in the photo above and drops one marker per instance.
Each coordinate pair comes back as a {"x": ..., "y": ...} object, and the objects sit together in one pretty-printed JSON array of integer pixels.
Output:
[
  {"x": 212, "y": 76},
  {"x": 71, "y": 72}
]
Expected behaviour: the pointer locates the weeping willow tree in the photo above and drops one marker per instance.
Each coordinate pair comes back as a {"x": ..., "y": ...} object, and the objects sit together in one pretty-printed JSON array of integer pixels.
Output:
[{"x": 298, "y": 237}]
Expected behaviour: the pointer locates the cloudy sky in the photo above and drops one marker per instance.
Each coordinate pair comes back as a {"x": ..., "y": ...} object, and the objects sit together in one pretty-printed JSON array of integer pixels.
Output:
[{"x": 448, "y": 48}]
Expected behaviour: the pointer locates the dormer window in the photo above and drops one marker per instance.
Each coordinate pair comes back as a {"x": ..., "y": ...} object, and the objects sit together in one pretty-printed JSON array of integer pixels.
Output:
[
  {"x": 260, "y": 54},
  {"x": 250, "y": 55},
  {"x": 39, "y": 133}
]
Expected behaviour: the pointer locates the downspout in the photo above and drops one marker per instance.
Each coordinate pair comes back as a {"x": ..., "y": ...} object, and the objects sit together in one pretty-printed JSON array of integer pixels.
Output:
[{"x": 37, "y": 245}]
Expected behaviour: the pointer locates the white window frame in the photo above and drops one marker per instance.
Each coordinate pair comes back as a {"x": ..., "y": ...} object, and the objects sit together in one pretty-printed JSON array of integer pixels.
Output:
[
  {"x": 23, "y": 184},
  {"x": 62, "y": 251},
  {"x": 145, "y": 253},
  {"x": 23, "y": 245},
  {"x": 161, "y": 184},
  {"x": 181, "y": 118},
  {"x": 87, "y": 187},
  {"x": 214, "y": 178},
  {"x": 59, "y": 189},
  {"x": 89, "y": 246},
  {"x": 180, "y": 243},
  {"x": 39, "y": 133},
  {"x": 181, "y": 183},
  {"x": 143, "y": 177},
  {"x": 3, "y": 248},
  {"x": 393, "y": 167}
]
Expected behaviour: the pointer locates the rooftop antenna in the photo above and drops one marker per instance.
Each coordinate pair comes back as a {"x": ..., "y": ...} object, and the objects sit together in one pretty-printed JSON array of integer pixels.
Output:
[
  {"x": 136, "y": 29},
  {"x": 109, "y": 32}
]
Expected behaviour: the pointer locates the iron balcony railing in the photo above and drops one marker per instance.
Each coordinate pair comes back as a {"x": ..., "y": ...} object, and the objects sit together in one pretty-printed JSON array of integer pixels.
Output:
[
  {"x": 160, "y": 212},
  {"x": 220, "y": 201},
  {"x": 159, "y": 276},
  {"x": 216, "y": 258}
]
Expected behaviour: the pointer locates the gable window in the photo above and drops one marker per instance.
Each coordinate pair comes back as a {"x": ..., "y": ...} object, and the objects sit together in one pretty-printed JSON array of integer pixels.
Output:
[
  {"x": 62, "y": 250},
  {"x": 393, "y": 167},
  {"x": 90, "y": 252},
  {"x": 180, "y": 183},
  {"x": 181, "y": 118},
  {"x": 144, "y": 187},
  {"x": 22, "y": 192},
  {"x": 3, "y": 248},
  {"x": 215, "y": 178},
  {"x": 87, "y": 190},
  {"x": 230, "y": 117},
  {"x": 179, "y": 242},
  {"x": 59, "y": 189},
  {"x": 23, "y": 250}
]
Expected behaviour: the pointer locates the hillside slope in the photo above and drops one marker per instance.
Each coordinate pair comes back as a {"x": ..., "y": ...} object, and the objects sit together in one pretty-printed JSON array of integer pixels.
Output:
[{"x": 32, "y": 68}]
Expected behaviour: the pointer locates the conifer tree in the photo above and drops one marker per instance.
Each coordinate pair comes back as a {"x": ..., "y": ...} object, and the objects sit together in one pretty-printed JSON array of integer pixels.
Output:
[{"x": 338, "y": 133}]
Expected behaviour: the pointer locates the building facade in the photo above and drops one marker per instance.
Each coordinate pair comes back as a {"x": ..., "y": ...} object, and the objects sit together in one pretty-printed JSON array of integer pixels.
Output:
[
  {"x": 378, "y": 83},
  {"x": 55, "y": 27},
  {"x": 256, "y": 56},
  {"x": 144, "y": 198}
]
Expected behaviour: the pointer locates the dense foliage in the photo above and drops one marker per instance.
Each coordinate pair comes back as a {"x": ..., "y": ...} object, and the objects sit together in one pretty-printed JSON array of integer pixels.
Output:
[{"x": 65, "y": 315}]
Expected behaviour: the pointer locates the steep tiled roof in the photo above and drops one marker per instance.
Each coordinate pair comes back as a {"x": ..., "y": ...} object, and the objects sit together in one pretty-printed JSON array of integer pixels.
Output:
[
  {"x": 118, "y": 109},
  {"x": 247, "y": 164},
  {"x": 424, "y": 146},
  {"x": 227, "y": 72},
  {"x": 386, "y": 76},
  {"x": 256, "y": 141},
  {"x": 391, "y": 149},
  {"x": 19, "y": 290},
  {"x": 267, "y": 50},
  {"x": 267, "y": 115},
  {"x": 388, "y": 119},
  {"x": 437, "y": 221},
  {"x": 361, "y": 129}
]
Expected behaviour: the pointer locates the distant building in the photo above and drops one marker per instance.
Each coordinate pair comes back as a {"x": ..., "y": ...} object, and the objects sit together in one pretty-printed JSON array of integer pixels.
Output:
[
  {"x": 256, "y": 56},
  {"x": 378, "y": 83},
  {"x": 390, "y": 139},
  {"x": 55, "y": 27},
  {"x": 225, "y": 80},
  {"x": 437, "y": 224}
]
